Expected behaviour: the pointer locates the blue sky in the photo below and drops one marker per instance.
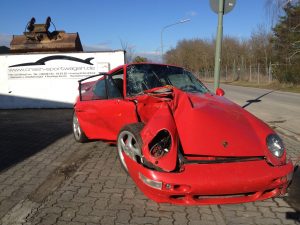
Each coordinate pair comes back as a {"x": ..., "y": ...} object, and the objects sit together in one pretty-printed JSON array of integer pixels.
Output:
[{"x": 104, "y": 24}]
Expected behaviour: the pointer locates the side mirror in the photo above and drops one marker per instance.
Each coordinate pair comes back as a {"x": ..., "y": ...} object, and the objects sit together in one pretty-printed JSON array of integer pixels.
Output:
[{"x": 220, "y": 92}]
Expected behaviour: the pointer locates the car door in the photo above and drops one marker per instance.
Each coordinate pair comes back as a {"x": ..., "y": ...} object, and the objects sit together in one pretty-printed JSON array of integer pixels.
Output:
[{"x": 106, "y": 112}]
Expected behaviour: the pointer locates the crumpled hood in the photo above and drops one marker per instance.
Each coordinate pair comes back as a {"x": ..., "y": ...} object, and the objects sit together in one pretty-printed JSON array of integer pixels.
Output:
[{"x": 210, "y": 125}]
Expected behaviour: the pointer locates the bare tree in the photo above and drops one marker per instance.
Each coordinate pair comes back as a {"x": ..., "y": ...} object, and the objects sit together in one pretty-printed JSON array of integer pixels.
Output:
[
  {"x": 261, "y": 46},
  {"x": 129, "y": 49}
]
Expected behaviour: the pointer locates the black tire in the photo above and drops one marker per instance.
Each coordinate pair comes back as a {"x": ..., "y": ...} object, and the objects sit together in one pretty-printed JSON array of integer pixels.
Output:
[
  {"x": 78, "y": 133},
  {"x": 130, "y": 143}
]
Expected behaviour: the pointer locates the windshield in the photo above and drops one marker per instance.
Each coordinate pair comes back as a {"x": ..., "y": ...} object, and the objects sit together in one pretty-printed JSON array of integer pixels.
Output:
[{"x": 142, "y": 77}]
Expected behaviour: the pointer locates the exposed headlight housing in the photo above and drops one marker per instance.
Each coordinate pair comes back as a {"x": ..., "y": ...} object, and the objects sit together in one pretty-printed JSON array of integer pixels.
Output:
[
  {"x": 275, "y": 145},
  {"x": 161, "y": 144}
]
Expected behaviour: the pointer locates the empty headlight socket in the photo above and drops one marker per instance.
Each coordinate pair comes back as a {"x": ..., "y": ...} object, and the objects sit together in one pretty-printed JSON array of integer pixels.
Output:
[{"x": 160, "y": 144}]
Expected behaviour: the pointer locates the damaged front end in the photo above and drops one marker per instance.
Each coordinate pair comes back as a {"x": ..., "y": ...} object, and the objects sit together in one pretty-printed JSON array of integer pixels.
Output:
[
  {"x": 154, "y": 140},
  {"x": 172, "y": 163}
]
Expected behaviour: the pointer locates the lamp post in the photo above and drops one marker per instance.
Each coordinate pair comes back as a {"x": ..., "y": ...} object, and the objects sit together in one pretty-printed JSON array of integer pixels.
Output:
[{"x": 165, "y": 27}]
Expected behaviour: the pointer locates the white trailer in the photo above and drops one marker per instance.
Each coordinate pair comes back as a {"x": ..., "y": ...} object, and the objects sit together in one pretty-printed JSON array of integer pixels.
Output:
[{"x": 49, "y": 80}]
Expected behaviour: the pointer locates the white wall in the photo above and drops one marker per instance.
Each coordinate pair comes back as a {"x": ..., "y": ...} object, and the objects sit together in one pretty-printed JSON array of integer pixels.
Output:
[{"x": 49, "y": 80}]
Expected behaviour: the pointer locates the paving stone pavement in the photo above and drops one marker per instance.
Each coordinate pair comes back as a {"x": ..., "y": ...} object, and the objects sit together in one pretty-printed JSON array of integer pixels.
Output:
[{"x": 95, "y": 189}]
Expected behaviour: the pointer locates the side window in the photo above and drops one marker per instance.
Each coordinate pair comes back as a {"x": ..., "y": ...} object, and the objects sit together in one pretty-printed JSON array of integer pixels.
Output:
[
  {"x": 99, "y": 90},
  {"x": 118, "y": 79},
  {"x": 112, "y": 87},
  {"x": 105, "y": 87},
  {"x": 90, "y": 88}
]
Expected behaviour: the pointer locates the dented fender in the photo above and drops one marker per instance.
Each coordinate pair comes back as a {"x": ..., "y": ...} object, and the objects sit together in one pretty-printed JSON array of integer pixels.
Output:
[{"x": 156, "y": 130}]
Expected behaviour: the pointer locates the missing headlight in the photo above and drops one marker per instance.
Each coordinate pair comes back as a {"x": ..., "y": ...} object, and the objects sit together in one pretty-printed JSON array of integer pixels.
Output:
[{"x": 161, "y": 144}]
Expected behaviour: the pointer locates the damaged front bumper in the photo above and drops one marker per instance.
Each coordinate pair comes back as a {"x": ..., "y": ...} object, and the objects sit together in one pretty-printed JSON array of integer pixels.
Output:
[{"x": 219, "y": 183}]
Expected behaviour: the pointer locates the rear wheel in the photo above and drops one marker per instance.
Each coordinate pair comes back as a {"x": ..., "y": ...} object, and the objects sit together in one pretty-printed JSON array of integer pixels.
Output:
[
  {"x": 130, "y": 143},
  {"x": 79, "y": 135}
]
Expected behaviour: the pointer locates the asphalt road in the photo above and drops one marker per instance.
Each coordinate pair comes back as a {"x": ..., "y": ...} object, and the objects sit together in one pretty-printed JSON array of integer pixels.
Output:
[{"x": 280, "y": 109}]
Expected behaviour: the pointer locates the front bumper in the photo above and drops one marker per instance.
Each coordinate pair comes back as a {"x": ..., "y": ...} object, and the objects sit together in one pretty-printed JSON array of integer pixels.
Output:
[{"x": 220, "y": 183}]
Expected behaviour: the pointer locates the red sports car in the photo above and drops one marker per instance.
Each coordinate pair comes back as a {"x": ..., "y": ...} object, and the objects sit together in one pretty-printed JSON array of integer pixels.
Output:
[{"x": 179, "y": 142}]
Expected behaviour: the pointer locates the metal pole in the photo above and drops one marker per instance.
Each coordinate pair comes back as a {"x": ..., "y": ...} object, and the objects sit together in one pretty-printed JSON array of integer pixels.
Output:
[
  {"x": 270, "y": 72},
  {"x": 234, "y": 71},
  {"x": 250, "y": 73},
  {"x": 258, "y": 72},
  {"x": 219, "y": 45}
]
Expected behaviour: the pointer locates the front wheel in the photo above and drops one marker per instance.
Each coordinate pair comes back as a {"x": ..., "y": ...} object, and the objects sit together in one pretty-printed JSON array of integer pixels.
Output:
[
  {"x": 78, "y": 133},
  {"x": 130, "y": 143}
]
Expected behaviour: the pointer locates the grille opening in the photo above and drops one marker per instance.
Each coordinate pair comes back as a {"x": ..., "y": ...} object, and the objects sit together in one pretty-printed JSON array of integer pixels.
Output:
[
  {"x": 199, "y": 197},
  {"x": 177, "y": 197},
  {"x": 198, "y": 159},
  {"x": 269, "y": 191}
]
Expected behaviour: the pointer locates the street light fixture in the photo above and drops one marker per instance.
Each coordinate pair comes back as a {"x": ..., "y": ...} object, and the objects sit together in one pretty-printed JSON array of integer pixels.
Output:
[{"x": 165, "y": 27}]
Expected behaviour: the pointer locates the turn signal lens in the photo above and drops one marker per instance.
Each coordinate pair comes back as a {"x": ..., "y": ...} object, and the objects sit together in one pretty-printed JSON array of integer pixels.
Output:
[{"x": 151, "y": 183}]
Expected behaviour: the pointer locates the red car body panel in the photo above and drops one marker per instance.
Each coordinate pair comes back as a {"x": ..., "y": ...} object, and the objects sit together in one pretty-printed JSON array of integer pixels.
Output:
[
  {"x": 210, "y": 114},
  {"x": 161, "y": 119},
  {"x": 104, "y": 121},
  {"x": 218, "y": 150},
  {"x": 214, "y": 183}
]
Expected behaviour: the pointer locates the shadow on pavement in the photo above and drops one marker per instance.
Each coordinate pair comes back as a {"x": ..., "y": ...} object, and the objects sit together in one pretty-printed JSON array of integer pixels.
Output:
[
  {"x": 28, "y": 131},
  {"x": 293, "y": 197},
  {"x": 251, "y": 101},
  {"x": 293, "y": 216},
  {"x": 13, "y": 102}
]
